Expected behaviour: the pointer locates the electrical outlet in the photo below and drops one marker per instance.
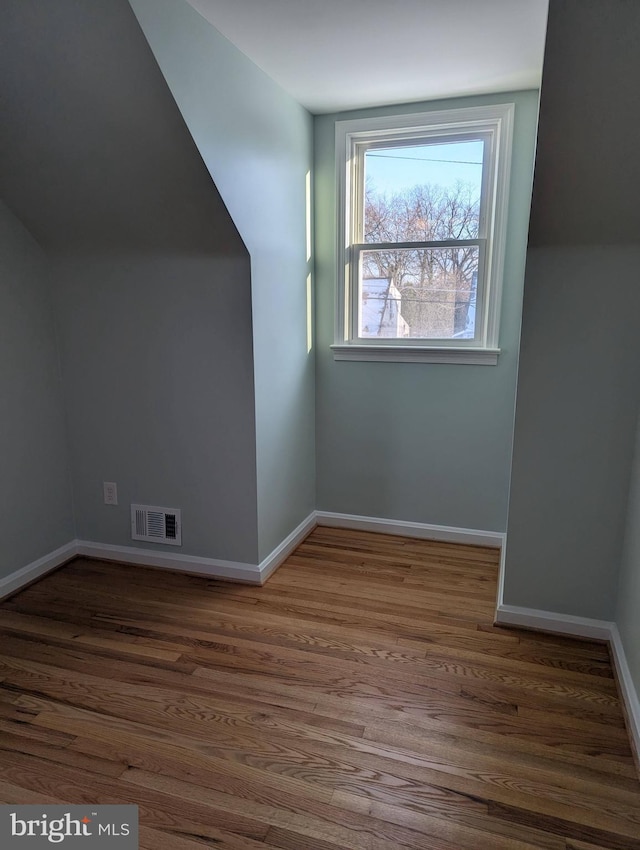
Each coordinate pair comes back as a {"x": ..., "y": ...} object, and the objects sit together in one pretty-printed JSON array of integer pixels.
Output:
[{"x": 110, "y": 489}]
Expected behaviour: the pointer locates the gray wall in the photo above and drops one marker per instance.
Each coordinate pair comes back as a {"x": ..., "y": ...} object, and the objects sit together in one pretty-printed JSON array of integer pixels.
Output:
[
  {"x": 419, "y": 441},
  {"x": 628, "y": 606},
  {"x": 577, "y": 404},
  {"x": 35, "y": 495},
  {"x": 588, "y": 169},
  {"x": 158, "y": 373},
  {"x": 151, "y": 279},
  {"x": 578, "y": 394},
  {"x": 257, "y": 143},
  {"x": 94, "y": 154}
]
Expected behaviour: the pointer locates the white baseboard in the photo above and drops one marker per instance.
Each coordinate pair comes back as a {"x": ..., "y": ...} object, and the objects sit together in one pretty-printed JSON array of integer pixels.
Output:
[
  {"x": 628, "y": 690},
  {"x": 545, "y": 621},
  {"x": 211, "y": 567},
  {"x": 26, "y": 575},
  {"x": 501, "y": 571},
  {"x": 548, "y": 621},
  {"x": 234, "y": 570},
  {"x": 271, "y": 563},
  {"x": 421, "y": 530}
]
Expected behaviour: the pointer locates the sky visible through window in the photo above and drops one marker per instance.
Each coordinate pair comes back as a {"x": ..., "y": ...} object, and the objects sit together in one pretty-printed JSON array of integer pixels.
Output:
[
  {"x": 421, "y": 193},
  {"x": 393, "y": 170}
]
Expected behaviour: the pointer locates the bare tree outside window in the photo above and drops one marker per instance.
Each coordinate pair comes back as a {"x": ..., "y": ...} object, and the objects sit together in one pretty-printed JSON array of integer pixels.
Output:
[{"x": 436, "y": 286}]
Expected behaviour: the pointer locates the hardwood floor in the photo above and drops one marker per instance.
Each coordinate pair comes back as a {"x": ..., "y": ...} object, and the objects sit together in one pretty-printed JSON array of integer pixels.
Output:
[{"x": 361, "y": 699}]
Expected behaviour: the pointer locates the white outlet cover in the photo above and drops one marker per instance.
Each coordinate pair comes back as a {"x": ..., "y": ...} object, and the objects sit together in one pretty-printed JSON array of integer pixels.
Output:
[{"x": 110, "y": 490}]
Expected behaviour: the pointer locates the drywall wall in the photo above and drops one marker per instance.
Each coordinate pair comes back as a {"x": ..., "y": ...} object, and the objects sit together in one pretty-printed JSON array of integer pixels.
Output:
[
  {"x": 257, "y": 143},
  {"x": 35, "y": 494},
  {"x": 151, "y": 279},
  {"x": 628, "y": 601},
  {"x": 421, "y": 442},
  {"x": 576, "y": 411},
  {"x": 157, "y": 363},
  {"x": 578, "y": 394}
]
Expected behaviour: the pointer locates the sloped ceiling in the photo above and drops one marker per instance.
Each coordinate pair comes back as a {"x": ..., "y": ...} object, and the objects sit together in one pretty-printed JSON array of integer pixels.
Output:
[
  {"x": 93, "y": 151},
  {"x": 587, "y": 178}
]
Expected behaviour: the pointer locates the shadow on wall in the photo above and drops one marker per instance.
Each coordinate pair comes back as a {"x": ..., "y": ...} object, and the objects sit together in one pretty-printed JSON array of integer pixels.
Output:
[{"x": 150, "y": 279}]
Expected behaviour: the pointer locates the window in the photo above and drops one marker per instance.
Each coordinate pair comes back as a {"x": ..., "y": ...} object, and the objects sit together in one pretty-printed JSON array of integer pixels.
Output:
[{"x": 422, "y": 219}]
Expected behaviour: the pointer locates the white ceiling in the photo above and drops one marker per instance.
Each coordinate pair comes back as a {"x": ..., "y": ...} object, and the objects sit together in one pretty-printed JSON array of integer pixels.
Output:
[{"x": 333, "y": 55}]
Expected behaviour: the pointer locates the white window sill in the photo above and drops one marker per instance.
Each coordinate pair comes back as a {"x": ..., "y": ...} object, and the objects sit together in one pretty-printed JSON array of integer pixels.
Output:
[{"x": 416, "y": 354}]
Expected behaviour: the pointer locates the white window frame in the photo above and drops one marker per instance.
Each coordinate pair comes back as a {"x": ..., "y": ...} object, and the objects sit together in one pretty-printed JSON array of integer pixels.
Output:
[{"x": 353, "y": 137}]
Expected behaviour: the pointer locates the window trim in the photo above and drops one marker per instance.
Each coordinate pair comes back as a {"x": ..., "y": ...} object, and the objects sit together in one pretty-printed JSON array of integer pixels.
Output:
[{"x": 351, "y": 135}]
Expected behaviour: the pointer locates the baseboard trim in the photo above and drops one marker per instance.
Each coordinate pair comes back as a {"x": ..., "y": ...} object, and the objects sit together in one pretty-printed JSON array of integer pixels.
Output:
[
  {"x": 548, "y": 621},
  {"x": 235, "y": 570},
  {"x": 501, "y": 572},
  {"x": 628, "y": 691},
  {"x": 19, "y": 579},
  {"x": 421, "y": 530},
  {"x": 212, "y": 567},
  {"x": 271, "y": 563}
]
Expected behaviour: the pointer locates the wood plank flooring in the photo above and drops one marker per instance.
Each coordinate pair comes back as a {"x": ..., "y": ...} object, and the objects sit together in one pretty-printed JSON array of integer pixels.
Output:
[{"x": 362, "y": 699}]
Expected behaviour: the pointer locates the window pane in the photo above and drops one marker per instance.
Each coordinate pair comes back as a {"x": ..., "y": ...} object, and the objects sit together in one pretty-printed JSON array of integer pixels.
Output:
[
  {"x": 423, "y": 193},
  {"x": 419, "y": 293}
]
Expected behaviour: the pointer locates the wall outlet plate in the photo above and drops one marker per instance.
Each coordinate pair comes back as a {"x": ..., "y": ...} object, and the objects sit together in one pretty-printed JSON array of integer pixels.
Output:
[{"x": 110, "y": 490}]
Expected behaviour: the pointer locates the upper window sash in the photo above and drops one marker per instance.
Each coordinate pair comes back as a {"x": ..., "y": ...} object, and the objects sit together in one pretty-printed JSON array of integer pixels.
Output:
[{"x": 356, "y": 161}]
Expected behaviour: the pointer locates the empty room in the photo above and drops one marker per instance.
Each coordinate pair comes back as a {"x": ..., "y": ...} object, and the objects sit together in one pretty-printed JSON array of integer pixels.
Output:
[{"x": 319, "y": 372}]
